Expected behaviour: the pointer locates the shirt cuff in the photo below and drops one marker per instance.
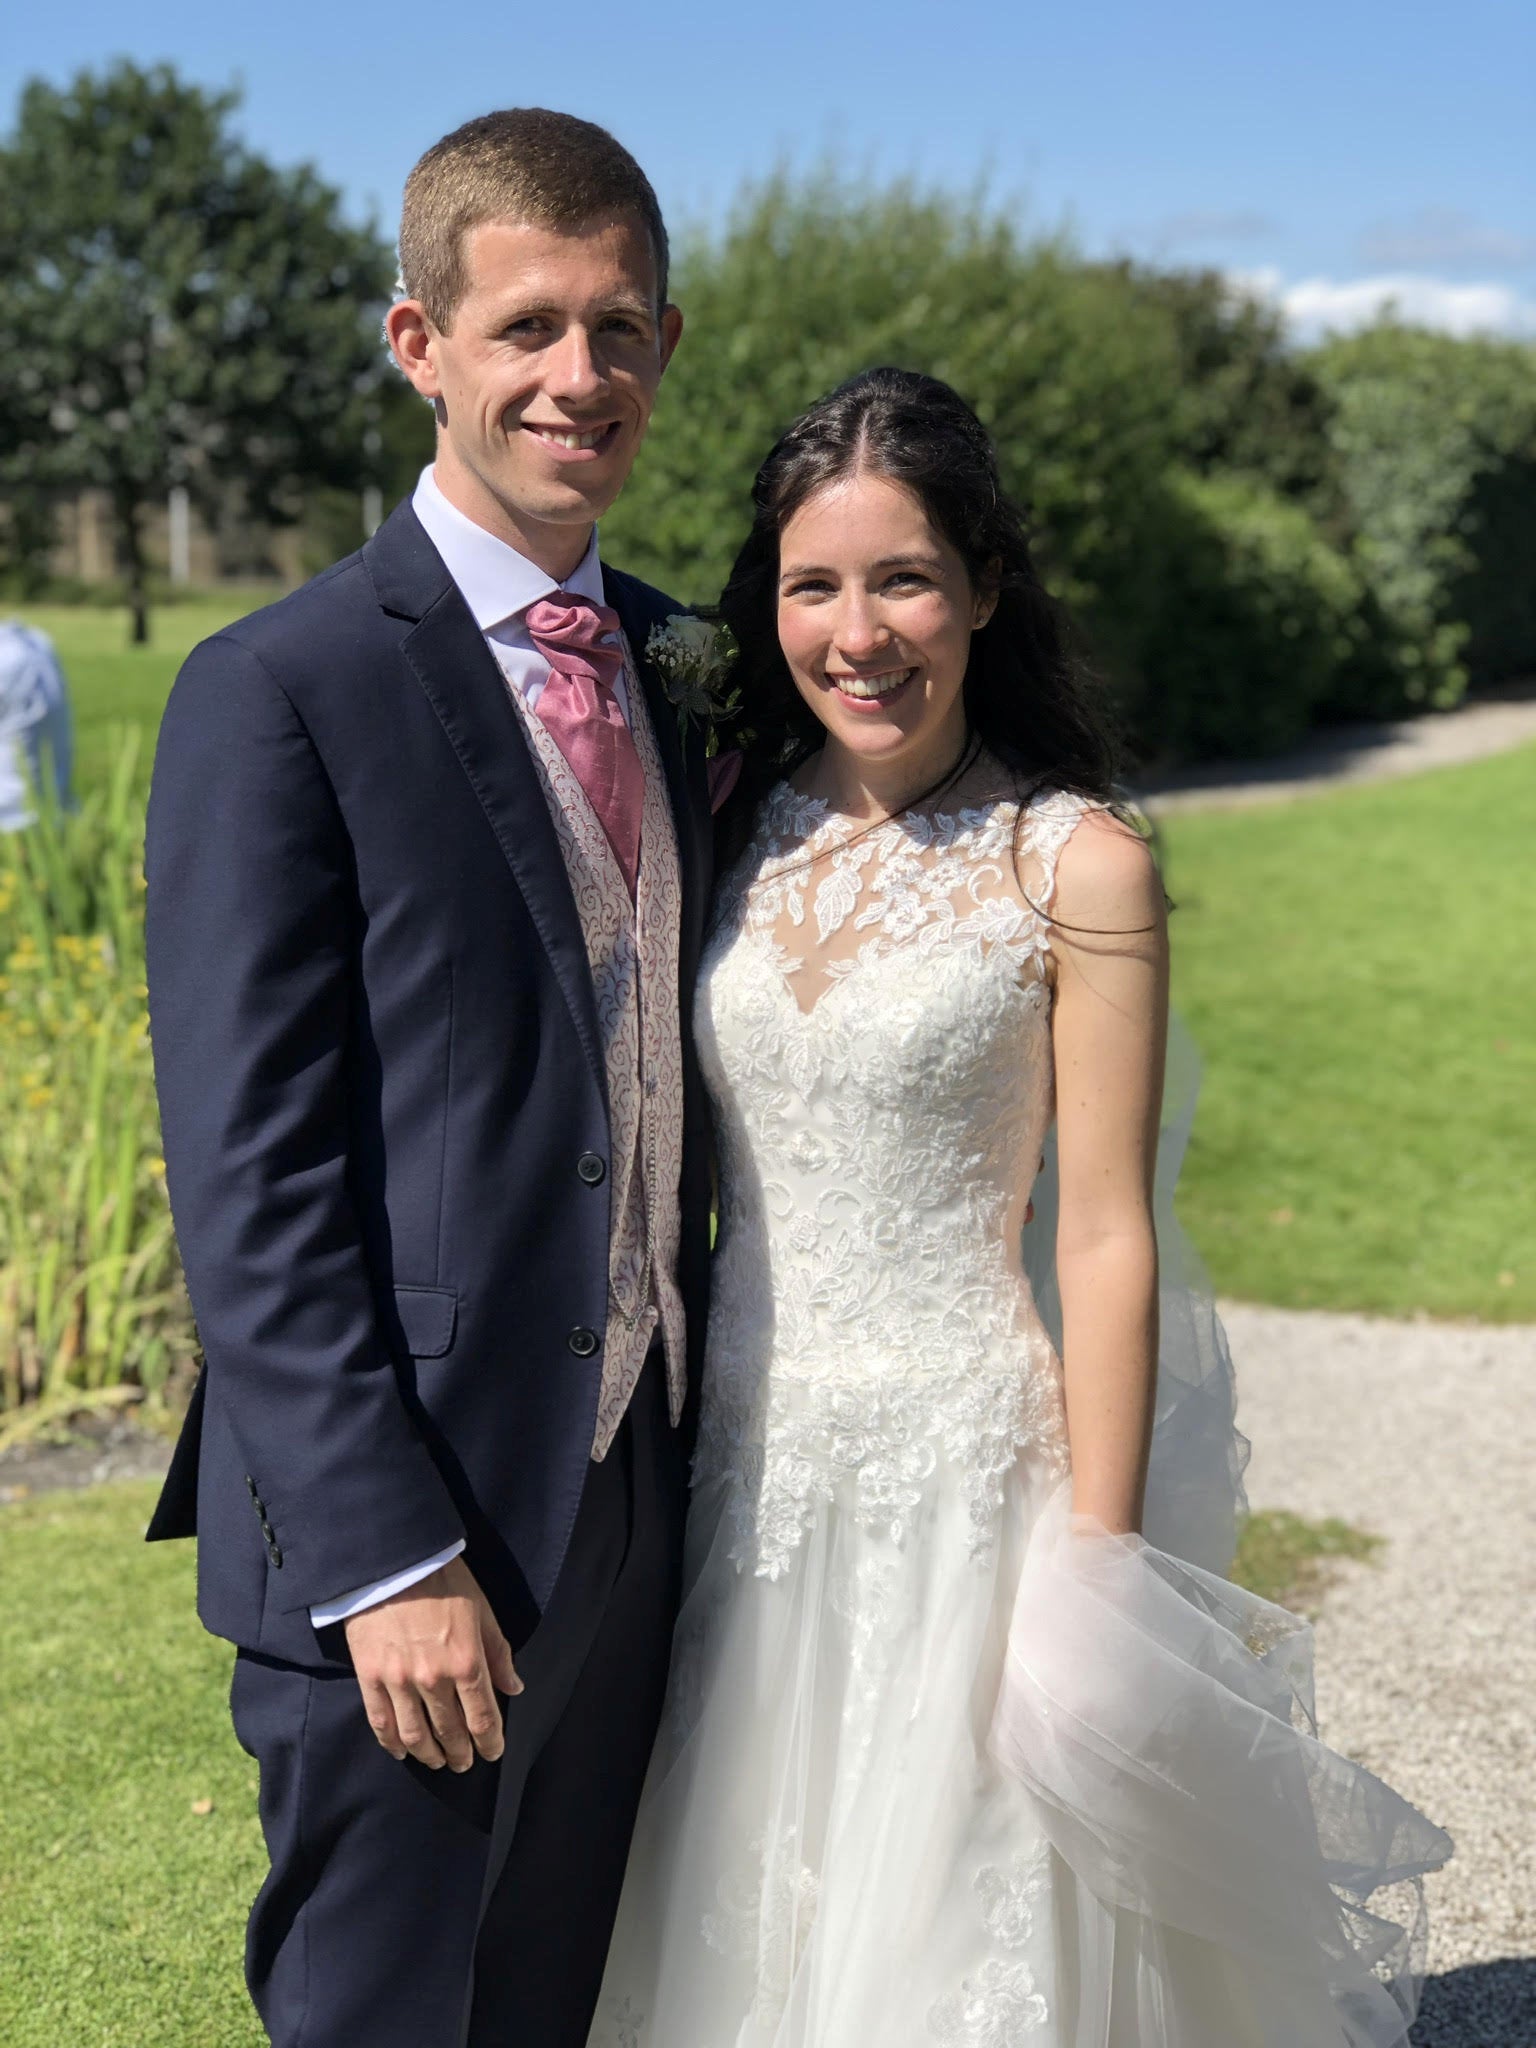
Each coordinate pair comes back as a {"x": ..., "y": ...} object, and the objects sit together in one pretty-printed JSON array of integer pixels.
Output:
[{"x": 345, "y": 1605}]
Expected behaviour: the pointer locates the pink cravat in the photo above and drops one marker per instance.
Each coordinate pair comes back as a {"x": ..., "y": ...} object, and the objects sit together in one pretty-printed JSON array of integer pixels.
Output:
[{"x": 581, "y": 712}]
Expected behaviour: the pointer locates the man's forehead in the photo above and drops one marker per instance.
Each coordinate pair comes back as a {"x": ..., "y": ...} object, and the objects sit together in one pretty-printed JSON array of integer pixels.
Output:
[{"x": 608, "y": 260}]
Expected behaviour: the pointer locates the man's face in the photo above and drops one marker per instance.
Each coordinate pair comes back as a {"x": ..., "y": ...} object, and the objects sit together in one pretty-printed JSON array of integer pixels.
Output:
[{"x": 546, "y": 380}]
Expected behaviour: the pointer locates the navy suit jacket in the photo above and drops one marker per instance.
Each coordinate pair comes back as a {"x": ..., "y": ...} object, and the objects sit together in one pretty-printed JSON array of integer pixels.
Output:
[{"x": 382, "y": 1086}]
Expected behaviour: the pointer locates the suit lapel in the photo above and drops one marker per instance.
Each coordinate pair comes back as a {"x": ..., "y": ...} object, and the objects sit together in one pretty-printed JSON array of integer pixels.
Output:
[
  {"x": 638, "y": 618},
  {"x": 462, "y": 682}
]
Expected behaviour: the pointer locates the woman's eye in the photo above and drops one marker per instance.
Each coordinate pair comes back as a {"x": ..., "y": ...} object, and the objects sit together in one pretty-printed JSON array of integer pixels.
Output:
[{"x": 907, "y": 578}]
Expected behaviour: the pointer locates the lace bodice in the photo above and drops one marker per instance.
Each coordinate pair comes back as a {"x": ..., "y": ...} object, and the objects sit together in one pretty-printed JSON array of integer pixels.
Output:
[{"x": 874, "y": 1023}]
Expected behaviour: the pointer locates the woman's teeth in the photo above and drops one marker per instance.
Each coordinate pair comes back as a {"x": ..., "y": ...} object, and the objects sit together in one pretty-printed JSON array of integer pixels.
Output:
[{"x": 872, "y": 686}]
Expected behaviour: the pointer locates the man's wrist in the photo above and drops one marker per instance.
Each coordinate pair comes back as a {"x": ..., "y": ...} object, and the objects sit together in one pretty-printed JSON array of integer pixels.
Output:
[{"x": 327, "y": 1612}]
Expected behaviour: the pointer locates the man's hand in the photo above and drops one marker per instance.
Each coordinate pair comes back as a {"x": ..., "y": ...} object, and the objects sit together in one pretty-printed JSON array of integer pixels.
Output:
[{"x": 430, "y": 1662}]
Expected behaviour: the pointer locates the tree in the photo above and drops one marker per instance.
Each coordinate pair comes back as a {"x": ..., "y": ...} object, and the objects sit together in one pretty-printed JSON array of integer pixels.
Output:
[
  {"x": 1435, "y": 441},
  {"x": 174, "y": 310}
]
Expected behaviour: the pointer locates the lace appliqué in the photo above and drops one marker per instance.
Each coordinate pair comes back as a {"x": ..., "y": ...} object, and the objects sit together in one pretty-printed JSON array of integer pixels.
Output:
[
  {"x": 871, "y": 1323},
  {"x": 764, "y": 1914},
  {"x": 999, "y": 2002}
]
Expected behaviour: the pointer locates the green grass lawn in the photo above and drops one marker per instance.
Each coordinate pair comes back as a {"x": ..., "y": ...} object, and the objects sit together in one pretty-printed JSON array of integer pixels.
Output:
[
  {"x": 1357, "y": 968},
  {"x": 111, "y": 683},
  {"x": 122, "y": 1905},
  {"x": 1359, "y": 971},
  {"x": 122, "y": 1908}
]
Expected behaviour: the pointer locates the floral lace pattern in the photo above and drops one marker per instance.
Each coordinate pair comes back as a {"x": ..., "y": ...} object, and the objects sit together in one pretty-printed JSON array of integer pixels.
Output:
[
  {"x": 871, "y": 1322},
  {"x": 632, "y": 952}
]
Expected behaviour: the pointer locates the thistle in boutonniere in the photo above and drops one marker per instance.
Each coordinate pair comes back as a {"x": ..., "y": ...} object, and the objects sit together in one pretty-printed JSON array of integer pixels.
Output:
[{"x": 694, "y": 658}]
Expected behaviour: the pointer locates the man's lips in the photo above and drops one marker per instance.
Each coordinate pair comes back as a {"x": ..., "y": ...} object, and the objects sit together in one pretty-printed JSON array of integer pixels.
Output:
[{"x": 573, "y": 444}]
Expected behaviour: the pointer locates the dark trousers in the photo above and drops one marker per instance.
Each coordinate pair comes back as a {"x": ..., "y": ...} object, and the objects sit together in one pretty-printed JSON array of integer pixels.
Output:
[{"x": 409, "y": 1908}]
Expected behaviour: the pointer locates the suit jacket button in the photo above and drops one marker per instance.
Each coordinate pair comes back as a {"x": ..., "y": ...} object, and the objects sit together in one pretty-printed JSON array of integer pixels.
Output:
[
  {"x": 276, "y": 1556},
  {"x": 591, "y": 1169},
  {"x": 582, "y": 1342}
]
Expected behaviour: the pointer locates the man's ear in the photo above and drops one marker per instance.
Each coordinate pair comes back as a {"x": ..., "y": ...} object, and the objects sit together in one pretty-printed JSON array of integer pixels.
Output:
[
  {"x": 671, "y": 332},
  {"x": 410, "y": 334}
]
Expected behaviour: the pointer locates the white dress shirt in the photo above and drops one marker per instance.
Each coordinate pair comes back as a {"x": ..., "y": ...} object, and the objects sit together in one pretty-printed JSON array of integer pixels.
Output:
[
  {"x": 498, "y": 584},
  {"x": 34, "y": 723}
]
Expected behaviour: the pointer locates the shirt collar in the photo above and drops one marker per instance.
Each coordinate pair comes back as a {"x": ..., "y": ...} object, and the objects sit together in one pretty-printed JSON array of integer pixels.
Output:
[{"x": 495, "y": 581}]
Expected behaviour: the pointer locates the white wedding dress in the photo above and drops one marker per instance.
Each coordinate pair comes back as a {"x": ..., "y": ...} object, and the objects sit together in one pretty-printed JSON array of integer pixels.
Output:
[{"x": 941, "y": 1767}]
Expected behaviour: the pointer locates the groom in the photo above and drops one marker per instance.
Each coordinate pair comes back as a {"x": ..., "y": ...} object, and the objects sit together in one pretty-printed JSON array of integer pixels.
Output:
[{"x": 428, "y": 861}]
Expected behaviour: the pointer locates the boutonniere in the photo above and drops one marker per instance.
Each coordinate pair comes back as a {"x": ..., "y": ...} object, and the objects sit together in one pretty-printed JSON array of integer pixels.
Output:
[{"x": 694, "y": 658}]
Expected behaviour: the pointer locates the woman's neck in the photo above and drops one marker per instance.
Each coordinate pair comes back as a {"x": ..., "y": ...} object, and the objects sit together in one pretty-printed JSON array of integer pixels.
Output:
[{"x": 868, "y": 790}]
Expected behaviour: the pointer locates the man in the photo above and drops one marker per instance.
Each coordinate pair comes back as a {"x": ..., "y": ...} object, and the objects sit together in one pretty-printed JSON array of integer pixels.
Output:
[
  {"x": 428, "y": 864},
  {"x": 34, "y": 724}
]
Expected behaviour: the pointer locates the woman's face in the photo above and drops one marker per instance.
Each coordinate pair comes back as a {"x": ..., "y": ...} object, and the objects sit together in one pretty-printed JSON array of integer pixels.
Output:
[{"x": 876, "y": 613}]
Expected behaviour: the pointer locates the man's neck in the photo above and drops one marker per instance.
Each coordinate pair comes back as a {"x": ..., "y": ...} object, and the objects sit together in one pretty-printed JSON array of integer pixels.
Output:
[{"x": 557, "y": 550}]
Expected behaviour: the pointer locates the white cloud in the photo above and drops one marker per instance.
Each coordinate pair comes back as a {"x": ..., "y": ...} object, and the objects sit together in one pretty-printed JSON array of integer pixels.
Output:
[{"x": 1319, "y": 305}]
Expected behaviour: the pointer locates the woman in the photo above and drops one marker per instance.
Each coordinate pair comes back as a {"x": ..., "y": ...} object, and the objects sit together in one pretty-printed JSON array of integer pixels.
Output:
[{"x": 953, "y": 1756}]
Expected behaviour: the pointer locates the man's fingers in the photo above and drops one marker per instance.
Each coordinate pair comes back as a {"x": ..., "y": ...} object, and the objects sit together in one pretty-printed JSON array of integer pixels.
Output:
[
  {"x": 379, "y": 1708},
  {"x": 415, "y": 1728},
  {"x": 441, "y": 1700},
  {"x": 498, "y": 1658},
  {"x": 482, "y": 1714}
]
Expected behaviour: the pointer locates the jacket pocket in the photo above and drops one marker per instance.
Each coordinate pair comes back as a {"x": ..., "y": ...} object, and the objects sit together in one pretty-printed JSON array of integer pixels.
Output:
[{"x": 427, "y": 1318}]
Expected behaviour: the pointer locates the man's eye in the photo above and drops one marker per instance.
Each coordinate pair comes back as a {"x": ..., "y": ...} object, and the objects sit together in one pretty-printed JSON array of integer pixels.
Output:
[{"x": 632, "y": 328}]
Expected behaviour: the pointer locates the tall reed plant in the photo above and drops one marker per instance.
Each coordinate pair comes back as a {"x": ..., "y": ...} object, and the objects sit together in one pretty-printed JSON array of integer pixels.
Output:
[{"x": 92, "y": 1309}]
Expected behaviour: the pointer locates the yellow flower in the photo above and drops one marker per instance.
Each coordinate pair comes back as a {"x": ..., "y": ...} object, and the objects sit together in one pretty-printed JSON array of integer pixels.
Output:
[{"x": 157, "y": 1168}]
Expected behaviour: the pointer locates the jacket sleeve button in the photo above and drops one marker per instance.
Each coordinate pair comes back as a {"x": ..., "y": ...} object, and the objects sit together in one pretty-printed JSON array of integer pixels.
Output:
[
  {"x": 268, "y": 1531},
  {"x": 582, "y": 1342},
  {"x": 592, "y": 1169},
  {"x": 251, "y": 1485},
  {"x": 276, "y": 1556}
]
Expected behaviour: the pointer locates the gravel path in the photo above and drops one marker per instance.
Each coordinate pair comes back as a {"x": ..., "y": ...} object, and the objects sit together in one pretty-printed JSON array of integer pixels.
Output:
[
  {"x": 1350, "y": 754},
  {"x": 1426, "y": 1434}
]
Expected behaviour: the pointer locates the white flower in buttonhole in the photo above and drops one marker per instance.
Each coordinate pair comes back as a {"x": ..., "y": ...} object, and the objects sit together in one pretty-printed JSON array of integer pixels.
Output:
[{"x": 694, "y": 658}]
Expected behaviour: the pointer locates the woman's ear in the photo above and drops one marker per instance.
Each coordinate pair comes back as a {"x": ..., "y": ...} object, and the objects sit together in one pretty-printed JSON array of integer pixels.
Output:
[{"x": 988, "y": 591}]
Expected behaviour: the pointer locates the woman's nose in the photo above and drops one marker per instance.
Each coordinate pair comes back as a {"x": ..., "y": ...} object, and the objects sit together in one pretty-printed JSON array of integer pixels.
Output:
[{"x": 861, "y": 632}]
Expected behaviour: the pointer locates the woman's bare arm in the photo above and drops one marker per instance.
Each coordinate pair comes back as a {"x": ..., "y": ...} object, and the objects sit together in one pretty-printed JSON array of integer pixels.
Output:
[{"x": 1109, "y": 1034}]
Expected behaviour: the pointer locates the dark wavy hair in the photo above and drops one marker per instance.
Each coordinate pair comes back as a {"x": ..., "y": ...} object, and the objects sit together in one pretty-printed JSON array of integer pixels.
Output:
[{"x": 1028, "y": 698}]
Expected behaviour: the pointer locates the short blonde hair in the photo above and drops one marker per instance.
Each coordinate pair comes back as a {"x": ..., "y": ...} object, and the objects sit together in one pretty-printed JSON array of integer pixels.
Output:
[{"x": 523, "y": 164}]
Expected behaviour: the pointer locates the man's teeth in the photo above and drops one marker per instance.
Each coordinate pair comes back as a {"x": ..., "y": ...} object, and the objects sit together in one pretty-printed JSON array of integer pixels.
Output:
[
  {"x": 872, "y": 686},
  {"x": 570, "y": 440}
]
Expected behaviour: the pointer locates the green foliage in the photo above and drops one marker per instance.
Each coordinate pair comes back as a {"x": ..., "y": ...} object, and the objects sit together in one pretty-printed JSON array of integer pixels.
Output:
[
  {"x": 1435, "y": 444},
  {"x": 1354, "y": 969},
  {"x": 1258, "y": 617},
  {"x": 129, "y": 1844},
  {"x": 812, "y": 283},
  {"x": 175, "y": 310},
  {"x": 1246, "y": 402},
  {"x": 92, "y": 1309}
]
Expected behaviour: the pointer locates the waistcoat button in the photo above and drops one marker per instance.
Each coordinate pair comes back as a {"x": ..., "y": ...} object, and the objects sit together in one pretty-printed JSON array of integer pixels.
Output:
[
  {"x": 591, "y": 1169},
  {"x": 582, "y": 1341}
]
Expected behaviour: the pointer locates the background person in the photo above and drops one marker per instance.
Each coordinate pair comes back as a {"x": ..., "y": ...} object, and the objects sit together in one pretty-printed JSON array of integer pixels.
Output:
[{"x": 36, "y": 741}]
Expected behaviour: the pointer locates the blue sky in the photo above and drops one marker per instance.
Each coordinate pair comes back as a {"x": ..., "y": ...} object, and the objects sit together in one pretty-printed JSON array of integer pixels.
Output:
[{"x": 1328, "y": 152}]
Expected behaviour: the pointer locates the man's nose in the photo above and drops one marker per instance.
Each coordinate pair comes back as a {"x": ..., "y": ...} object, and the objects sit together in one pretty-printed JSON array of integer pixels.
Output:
[{"x": 574, "y": 371}]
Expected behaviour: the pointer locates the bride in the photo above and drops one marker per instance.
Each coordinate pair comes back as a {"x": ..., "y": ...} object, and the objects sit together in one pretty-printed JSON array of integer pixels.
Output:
[{"x": 953, "y": 1754}]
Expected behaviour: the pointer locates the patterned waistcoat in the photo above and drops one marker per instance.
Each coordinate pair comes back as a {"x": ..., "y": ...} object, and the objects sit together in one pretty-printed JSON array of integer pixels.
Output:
[{"x": 632, "y": 951}]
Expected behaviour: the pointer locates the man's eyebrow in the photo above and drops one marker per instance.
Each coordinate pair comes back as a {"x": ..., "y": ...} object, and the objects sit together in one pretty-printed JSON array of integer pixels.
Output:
[{"x": 633, "y": 303}]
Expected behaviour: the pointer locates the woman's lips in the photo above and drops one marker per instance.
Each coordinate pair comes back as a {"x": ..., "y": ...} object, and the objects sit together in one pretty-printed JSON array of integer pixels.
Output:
[{"x": 876, "y": 693}]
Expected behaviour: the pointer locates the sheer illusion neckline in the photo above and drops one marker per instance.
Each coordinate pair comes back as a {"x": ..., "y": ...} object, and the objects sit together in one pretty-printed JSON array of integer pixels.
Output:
[{"x": 824, "y": 895}]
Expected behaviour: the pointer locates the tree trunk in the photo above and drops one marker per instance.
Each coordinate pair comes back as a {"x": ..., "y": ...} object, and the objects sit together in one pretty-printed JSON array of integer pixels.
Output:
[{"x": 130, "y": 552}]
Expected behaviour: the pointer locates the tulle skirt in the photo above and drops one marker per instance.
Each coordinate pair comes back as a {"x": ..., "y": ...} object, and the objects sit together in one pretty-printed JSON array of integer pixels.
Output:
[{"x": 1023, "y": 1786}]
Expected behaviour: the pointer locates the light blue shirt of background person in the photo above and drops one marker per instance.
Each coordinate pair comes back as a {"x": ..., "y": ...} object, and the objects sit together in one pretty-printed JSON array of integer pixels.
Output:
[{"x": 35, "y": 736}]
